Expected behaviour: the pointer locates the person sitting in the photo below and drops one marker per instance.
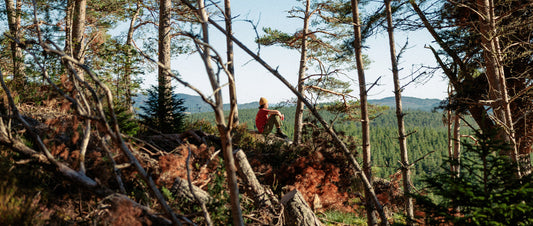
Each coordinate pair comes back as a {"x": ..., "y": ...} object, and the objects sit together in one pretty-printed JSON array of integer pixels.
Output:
[{"x": 266, "y": 119}]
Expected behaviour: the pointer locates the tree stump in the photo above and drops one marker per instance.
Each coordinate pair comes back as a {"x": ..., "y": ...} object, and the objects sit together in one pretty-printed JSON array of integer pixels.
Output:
[
  {"x": 181, "y": 189},
  {"x": 297, "y": 211}
]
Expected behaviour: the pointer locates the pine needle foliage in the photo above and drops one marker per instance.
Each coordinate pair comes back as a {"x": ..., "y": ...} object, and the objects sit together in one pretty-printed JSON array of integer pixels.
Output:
[
  {"x": 166, "y": 116},
  {"x": 486, "y": 192},
  {"x": 127, "y": 122}
]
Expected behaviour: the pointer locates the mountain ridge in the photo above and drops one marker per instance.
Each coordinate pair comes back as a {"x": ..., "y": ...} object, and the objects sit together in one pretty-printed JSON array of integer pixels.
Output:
[{"x": 195, "y": 104}]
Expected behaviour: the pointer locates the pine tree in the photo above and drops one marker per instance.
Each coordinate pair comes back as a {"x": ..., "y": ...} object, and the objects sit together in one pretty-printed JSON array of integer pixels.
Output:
[
  {"x": 486, "y": 192},
  {"x": 166, "y": 118}
]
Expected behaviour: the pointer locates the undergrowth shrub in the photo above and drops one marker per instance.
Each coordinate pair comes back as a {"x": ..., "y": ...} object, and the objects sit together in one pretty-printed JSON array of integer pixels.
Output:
[
  {"x": 127, "y": 122},
  {"x": 202, "y": 125},
  {"x": 341, "y": 218},
  {"x": 18, "y": 209},
  {"x": 220, "y": 209}
]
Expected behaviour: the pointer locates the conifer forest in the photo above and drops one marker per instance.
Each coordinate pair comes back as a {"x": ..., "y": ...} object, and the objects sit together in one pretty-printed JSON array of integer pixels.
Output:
[{"x": 85, "y": 141}]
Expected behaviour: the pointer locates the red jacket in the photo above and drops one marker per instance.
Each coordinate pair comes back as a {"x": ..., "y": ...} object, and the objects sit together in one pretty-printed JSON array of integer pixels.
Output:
[{"x": 261, "y": 119}]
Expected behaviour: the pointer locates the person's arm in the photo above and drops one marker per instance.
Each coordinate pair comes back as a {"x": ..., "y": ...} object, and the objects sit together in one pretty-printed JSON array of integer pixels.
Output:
[{"x": 274, "y": 112}]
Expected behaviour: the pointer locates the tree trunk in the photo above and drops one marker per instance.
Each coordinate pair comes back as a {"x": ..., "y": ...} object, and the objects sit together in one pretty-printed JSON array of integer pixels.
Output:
[
  {"x": 261, "y": 195},
  {"x": 449, "y": 126},
  {"x": 297, "y": 211},
  {"x": 227, "y": 148},
  {"x": 78, "y": 33},
  {"x": 495, "y": 75},
  {"x": 456, "y": 144},
  {"x": 406, "y": 171},
  {"x": 13, "y": 20},
  {"x": 128, "y": 69},
  {"x": 367, "y": 163},
  {"x": 230, "y": 60},
  {"x": 164, "y": 79},
  {"x": 453, "y": 124},
  {"x": 225, "y": 131},
  {"x": 68, "y": 27},
  {"x": 298, "y": 115}
]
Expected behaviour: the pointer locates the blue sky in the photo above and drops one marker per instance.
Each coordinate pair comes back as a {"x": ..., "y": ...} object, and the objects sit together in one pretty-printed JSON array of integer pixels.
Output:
[{"x": 253, "y": 81}]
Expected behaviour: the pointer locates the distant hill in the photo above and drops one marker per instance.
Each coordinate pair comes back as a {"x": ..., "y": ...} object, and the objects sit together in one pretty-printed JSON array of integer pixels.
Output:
[
  {"x": 409, "y": 103},
  {"x": 195, "y": 104}
]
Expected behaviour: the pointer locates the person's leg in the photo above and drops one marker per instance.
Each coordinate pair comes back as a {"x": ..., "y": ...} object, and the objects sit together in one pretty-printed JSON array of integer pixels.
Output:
[
  {"x": 269, "y": 125},
  {"x": 274, "y": 120},
  {"x": 278, "y": 123}
]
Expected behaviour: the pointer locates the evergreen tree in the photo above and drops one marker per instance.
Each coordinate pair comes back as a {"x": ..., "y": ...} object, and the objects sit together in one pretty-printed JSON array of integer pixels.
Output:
[
  {"x": 167, "y": 117},
  {"x": 486, "y": 192}
]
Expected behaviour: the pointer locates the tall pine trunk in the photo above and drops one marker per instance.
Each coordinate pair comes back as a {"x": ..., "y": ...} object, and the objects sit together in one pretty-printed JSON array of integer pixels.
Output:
[
  {"x": 298, "y": 115},
  {"x": 494, "y": 71},
  {"x": 163, "y": 78},
  {"x": 406, "y": 171},
  {"x": 230, "y": 59},
  {"x": 13, "y": 11},
  {"x": 129, "y": 62},
  {"x": 225, "y": 131},
  {"x": 78, "y": 33},
  {"x": 365, "y": 129},
  {"x": 68, "y": 26}
]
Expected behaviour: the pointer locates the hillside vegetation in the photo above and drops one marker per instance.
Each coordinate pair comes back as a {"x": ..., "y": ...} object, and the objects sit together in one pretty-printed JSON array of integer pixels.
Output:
[{"x": 428, "y": 137}]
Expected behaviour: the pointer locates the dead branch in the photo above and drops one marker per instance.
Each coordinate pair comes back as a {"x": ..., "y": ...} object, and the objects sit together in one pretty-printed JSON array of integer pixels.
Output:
[
  {"x": 331, "y": 91},
  {"x": 155, "y": 218},
  {"x": 116, "y": 170},
  {"x": 202, "y": 204}
]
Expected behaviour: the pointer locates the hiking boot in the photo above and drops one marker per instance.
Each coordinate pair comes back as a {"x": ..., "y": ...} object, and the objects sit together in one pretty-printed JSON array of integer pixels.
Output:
[{"x": 281, "y": 134}]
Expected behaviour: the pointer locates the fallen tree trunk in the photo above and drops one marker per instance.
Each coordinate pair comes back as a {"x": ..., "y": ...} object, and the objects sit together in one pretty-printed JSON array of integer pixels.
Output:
[
  {"x": 181, "y": 189},
  {"x": 261, "y": 195},
  {"x": 297, "y": 211}
]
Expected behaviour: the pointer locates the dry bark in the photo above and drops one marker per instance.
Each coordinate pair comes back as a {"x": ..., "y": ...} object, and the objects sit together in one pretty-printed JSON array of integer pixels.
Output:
[
  {"x": 181, "y": 188},
  {"x": 13, "y": 11},
  {"x": 297, "y": 211},
  {"x": 261, "y": 195}
]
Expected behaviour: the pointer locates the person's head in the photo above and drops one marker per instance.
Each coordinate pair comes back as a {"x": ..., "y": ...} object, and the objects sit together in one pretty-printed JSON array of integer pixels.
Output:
[{"x": 263, "y": 103}]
